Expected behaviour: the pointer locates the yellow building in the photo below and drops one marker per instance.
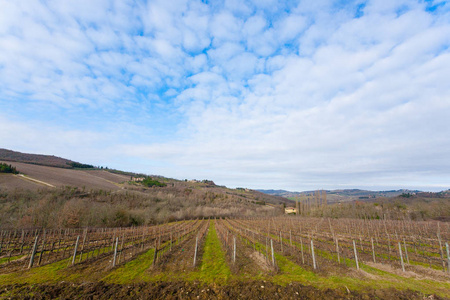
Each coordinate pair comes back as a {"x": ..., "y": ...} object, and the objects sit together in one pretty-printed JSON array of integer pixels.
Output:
[{"x": 290, "y": 210}]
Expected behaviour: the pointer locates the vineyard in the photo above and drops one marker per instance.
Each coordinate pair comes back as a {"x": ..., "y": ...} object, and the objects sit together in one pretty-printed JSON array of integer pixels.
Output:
[{"x": 348, "y": 256}]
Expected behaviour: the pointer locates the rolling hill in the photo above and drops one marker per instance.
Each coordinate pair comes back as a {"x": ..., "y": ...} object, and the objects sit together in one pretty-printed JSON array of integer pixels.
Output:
[
  {"x": 34, "y": 176},
  {"x": 39, "y": 159},
  {"x": 52, "y": 196},
  {"x": 343, "y": 194}
]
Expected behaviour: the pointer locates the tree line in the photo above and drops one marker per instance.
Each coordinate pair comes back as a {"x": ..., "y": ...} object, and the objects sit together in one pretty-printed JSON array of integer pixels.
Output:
[{"x": 5, "y": 168}]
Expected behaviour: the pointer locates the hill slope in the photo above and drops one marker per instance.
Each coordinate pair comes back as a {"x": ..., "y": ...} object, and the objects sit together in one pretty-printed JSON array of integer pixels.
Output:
[
  {"x": 35, "y": 177},
  {"x": 343, "y": 195},
  {"x": 48, "y": 196},
  {"x": 39, "y": 159}
]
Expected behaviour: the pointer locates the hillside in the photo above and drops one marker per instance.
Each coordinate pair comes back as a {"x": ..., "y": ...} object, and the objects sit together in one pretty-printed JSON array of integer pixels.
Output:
[
  {"x": 45, "y": 196},
  {"x": 34, "y": 177},
  {"x": 39, "y": 159},
  {"x": 343, "y": 195}
]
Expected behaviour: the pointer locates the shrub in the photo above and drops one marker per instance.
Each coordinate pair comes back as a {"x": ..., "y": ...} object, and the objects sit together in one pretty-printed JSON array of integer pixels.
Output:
[
  {"x": 4, "y": 168},
  {"x": 150, "y": 182}
]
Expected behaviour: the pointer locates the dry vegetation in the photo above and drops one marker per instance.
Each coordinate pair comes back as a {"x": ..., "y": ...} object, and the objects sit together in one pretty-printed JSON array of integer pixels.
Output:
[
  {"x": 417, "y": 208},
  {"x": 46, "y": 160},
  {"x": 49, "y": 197},
  {"x": 128, "y": 205}
]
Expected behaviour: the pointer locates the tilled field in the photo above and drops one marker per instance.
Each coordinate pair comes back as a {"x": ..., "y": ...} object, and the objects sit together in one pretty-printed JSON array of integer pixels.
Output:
[
  {"x": 59, "y": 177},
  {"x": 194, "y": 290}
]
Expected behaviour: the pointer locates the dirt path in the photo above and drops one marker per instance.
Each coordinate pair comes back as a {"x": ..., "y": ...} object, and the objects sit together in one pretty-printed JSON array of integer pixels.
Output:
[{"x": 34, "y": 180}]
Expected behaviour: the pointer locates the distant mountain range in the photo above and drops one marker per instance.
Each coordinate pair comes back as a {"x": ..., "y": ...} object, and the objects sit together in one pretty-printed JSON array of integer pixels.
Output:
[
  {"x": 332, "y": 195},
  {"x": 345, "y": 194}
]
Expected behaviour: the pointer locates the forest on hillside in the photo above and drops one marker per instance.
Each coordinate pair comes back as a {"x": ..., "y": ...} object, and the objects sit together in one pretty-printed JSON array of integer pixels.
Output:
[
  {"x": 397, "y": 208},
  {"x": 76, "y": 207}
]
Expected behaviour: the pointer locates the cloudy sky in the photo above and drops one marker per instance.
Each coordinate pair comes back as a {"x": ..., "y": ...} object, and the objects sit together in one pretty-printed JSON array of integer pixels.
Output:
[{"x": 294, "y": 95}]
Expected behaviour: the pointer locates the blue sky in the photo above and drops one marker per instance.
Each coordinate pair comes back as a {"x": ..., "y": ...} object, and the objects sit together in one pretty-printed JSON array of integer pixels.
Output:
[{"x": 262, "y": 94}]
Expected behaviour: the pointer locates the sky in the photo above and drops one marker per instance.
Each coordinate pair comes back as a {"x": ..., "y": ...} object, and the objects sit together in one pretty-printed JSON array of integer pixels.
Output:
[{"x": 263, "y": 94}]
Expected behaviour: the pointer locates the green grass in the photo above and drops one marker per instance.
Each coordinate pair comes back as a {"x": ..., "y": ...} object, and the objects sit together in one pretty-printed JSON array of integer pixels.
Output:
[
  {"x": 291, "y": 272},
  {"x": 139, "y": 269},
  {"x": 132, "y": 270},
  {"x": 47, "y": 273},
  {"x": 12, "y": 258},
  {"x": 211, "y": 267},
  {"x": 214, "y": 267}
]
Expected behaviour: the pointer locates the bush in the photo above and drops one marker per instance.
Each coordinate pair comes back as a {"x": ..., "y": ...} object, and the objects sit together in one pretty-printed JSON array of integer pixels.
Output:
[
  {"x": 80, "y": 166},
  {"x": 150, "y": 182},
  {"x": 4, "y": 168}
]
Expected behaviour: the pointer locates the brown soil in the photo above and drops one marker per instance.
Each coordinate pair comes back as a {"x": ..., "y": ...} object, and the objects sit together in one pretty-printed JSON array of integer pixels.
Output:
[
  {"x": 261, "y": 261},
  {"x": 193, "y": 290},
  {"x": 248, "y": 261},
  {"x": 62, "y": 177},
  {"x": 14, "y": 265},
  {"x": 113, "y": 177},
  {"x": 412, "y": 271},
  {"x": 11, "y": 182},
  {"x": 181, "y": 258}
]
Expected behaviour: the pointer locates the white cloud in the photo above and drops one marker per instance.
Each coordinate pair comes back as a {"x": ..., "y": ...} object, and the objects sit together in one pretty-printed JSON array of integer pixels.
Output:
[
  {"x": 257, "y": 94},
  {"x": 225, "y": 28},
  {"x": 291, "y": 26}
]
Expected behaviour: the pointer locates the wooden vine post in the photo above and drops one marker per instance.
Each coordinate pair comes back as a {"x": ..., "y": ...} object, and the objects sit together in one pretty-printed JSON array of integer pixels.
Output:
[
  {"x": 75, "y": 250},
  {"x": 234, "y": 249},
  {"x": 155, "y": 256},
  {"x": 42, "y": 249},
  {"x": 115, "y": 252},
  {"x": 273, "y": 256},
  {"x": 82, "y": 245},
  {"x": 356, "y": 255},
  {"x": 313, "y": 256},
  {"x": 337, "y": 251},
  {"x": 406, "y": 251},
  {"x": 373, "y": 251},
  {"x": 33, "y": 252},
  {"x": 401, "y": 256},
  {"x": 440, "y": 248},
  {"x": 448, "y": 258},
  {"x": 195, "y": 253},
  {"x": 301, "y": 246},
  {"x": 281, "y": 242}
]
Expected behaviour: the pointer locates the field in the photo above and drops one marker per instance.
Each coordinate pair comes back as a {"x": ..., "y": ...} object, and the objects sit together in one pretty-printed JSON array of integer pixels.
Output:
[
  {"x": 278, "y": 257},
  {"x": 38, "y": 177}
]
